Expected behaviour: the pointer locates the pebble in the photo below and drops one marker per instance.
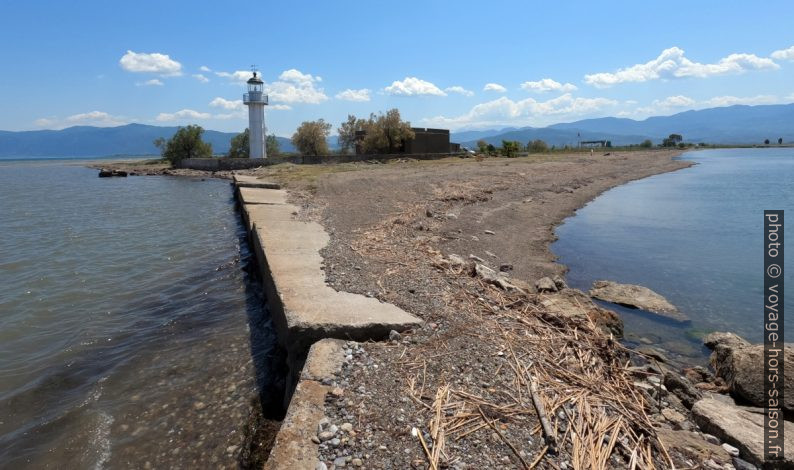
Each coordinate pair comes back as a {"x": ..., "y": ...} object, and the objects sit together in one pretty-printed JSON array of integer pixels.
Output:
[
  {"x": 489, "y": 232},
  {"x": 199, "y": 405},
  {"x": 711, "y": 439},
  {"x": 335, "y": 442},
  {"x": 382, "y": 448},
  {"x": 315, "y": 439},
  {"x": 320, "y": 466},
  {"x": 346, "y": 427},
  {"x": 340, "y": 462},
  {"x": 730, "y": 449},
  {"x": 326, "y": 435},
  {"x": 357, "y": 462},
  {"x": 333, "y": 429},
  {"x": 231, "y": 449},
  {"x": 394, "y": 336}
]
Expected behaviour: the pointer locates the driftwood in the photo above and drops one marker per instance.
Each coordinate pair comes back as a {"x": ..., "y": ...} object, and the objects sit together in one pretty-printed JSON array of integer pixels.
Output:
[{"x": 551, "y": 441}]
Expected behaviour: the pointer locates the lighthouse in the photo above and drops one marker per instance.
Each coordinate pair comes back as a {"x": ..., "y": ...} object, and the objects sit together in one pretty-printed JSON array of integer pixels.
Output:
[{"x": 256, "y": 101}]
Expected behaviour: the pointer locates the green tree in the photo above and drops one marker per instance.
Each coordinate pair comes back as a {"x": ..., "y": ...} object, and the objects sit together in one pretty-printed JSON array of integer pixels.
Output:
[
  {"x": 310, "y": 137},
  {"x": 646, "y": 144},
  {"x": 386, "y": 132},
  {"x": 186, "y": 143},
  {"x": 347, "y": 132},
  {"x": 537, "y": 146},
  {"x": 482, "y": 146},
  {"x": 491, "y": 149},
  {"x": 766, "y": 141},
  {"x": 780, "y": 141},
  {"x": 272, "y": 146},
  {"x": 240, "y": 147},
  {"x": 510, "y": 148}
]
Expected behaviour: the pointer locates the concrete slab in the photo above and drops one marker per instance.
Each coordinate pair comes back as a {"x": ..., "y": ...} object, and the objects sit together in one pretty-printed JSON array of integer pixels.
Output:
[
  {"x": 262, "y": 196},
  {"x": 304, "y": 308},
  {"x": 248, "y": 181},
  {"x": 293, "y": 448}
]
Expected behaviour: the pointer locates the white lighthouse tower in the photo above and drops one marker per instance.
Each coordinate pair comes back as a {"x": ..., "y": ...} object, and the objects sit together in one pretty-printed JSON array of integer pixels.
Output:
[{"x": 256, "y": 101}]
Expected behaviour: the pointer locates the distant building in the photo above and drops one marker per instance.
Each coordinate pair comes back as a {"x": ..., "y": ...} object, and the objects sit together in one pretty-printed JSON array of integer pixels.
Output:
[{"x": 424, "y": 141}]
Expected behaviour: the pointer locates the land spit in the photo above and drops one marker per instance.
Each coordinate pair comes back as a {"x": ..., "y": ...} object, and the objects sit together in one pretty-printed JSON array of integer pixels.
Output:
[{"x": 496, "y": 376}]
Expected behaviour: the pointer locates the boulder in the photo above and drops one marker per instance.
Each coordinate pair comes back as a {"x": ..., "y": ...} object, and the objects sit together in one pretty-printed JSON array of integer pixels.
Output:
[
  {"x": 575, "y": 304},
  {"x": 742, "y": 427},
  {"x": 742, "y": 368},
  {"x": 103, "y": 173},
  {"x": 639, "y": 297},
  {"x": 731, "y": 340}
]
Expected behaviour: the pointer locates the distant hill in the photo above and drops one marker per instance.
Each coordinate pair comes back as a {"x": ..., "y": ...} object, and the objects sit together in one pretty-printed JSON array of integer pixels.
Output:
[
  {"x": 87, "y": 141},
  {"x": 737, "y": 124},
  {"x": 728, "y": 125}
]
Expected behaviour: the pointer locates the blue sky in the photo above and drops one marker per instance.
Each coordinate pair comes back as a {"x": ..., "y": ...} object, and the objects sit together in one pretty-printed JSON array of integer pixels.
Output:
[{"x": 451, "y": 64}]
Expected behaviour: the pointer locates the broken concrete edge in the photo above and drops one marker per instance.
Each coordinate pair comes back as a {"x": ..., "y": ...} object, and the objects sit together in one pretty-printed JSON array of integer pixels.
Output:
[
  {"x": 314, "y": 348},
  {"x": 294, "y": 447},
  {"x": 247, "y": 181}
]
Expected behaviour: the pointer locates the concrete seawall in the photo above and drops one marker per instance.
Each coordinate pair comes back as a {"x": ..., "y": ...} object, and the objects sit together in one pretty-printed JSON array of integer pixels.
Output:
[{"x": 311, "y": 318}]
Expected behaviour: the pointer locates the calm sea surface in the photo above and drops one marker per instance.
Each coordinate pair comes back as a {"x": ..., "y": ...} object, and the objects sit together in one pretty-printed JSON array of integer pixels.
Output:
[
  {"x": 694, "y": 236},
  {"x": 130, "y": 335}
]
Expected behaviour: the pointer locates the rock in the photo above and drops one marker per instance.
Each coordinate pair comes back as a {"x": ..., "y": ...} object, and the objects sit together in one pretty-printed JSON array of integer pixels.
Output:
[
  {"x": 576, "y": 305},
  {"x": 741, "y": 427},
  {"x": 492, "y": 277},
  {"x": 340, "y": 462},
  {"x": 337, "y": 392},
  {"x": 639, "y": 297},
  {"x": 357, "y": 462},
  {"x": 741, "y": 365},
  {"x": 693, "y": 446},
  {"x": 698, "y": 374},
  {"x": 335, "y": 442},
  {"x": 559, "y": 282},
  {"x": 681, "y": 388},
  {"x": 652, "y": 353},
  {"x": 199, "y": 405},
  {"x": 489, "y": 232},
  {"x": 346, "y": 427},
  {"x": 739, "y": 464},
  {"x": 731, "y": 449},
  {"x": 731, "y": 340},
  {"x": 103, "y": 173},
  {"x": 325, "y": 436},
  {"x": 394, "y": 336},
  {"x": 320, "y": 466},
  {"x": 673, "y": 416},
  {"x": 429, "y": 213},
  {"x": 711, "y": 439},
  {"x": 456, "y": 261},
  {"x": 545, "y": 284},
  {"x": 504, "y": 267}
]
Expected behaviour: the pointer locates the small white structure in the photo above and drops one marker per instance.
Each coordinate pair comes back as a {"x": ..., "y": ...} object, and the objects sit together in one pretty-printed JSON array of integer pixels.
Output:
[{"x": 256, "y": 101}]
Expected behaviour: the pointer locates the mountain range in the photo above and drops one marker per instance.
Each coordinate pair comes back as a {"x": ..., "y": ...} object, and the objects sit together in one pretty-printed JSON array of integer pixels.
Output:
[{"x": 737, "y": 124}]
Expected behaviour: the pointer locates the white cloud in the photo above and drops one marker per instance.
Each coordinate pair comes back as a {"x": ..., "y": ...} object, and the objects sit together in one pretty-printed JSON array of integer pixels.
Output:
[
  {"x": 152, "y": 82},
  {"x": 719, "y": 101},
  {"x": 200, "y": 77},
  {"x": 238, "y": 75},
  {"x": 96, "y": 118},
  {"x": 182, "y": 114},
  {"x": 672, "y": 63},
  {"x": 151, "y": 63},
  {"x": 506, "y": 111},
  {"x": 412, "y": 86},
  {"x": 294, "y": 86},
  {"x": 227, "y": 104},
  {"x": 784, "y": 54},
  {"x": 677, "y": 101},
  {"x": 459, "y": 90},
  {"x": 91, "y": 118},
  {"x": 45, "y": 122},
  {"x": 547, "y": 84},
  {"x": 494, "y": 87},
  {"x": 280, "y": 107},
  {"x": 204, "y": 68},
  {"x": 354, "y": 95}
]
